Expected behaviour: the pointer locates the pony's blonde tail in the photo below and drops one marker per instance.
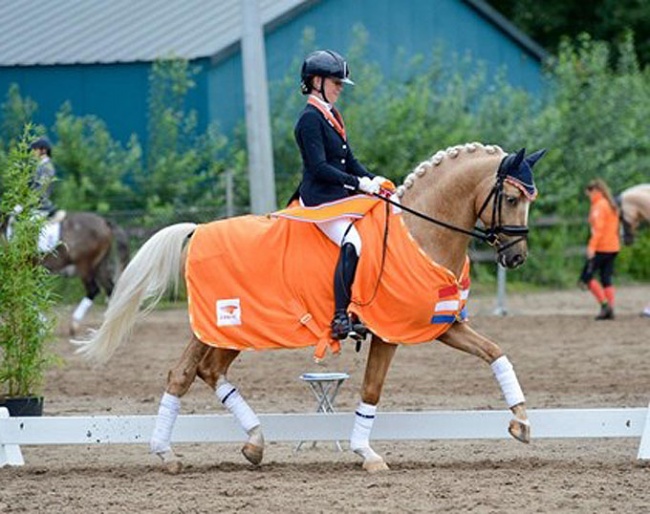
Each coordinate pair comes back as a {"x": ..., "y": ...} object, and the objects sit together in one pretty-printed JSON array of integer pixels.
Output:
[{"x": 155, "y": 267}]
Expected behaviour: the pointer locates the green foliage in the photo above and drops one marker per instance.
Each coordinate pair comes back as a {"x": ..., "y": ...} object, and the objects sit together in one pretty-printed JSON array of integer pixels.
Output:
[
  {"x": 15, "y": 112},
  {"x": 595, "y": 123},
  {"x": 634, "y": 261},
  {"x": 549, "y": 21},
  {"x": 182, "y": 165},
  {"x": 93, "y": 168},
  {"x": 26, "y": 299}
]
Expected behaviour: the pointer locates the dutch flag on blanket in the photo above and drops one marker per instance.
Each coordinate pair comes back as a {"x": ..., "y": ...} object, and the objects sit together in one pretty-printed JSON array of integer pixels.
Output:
[{"x": 451, "y": 306}]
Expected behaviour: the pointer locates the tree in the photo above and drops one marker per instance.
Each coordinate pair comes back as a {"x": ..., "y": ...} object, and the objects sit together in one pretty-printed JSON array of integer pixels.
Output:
[
  {"x": 26, "y": 298},
  {"x": 550, "y": 21}
]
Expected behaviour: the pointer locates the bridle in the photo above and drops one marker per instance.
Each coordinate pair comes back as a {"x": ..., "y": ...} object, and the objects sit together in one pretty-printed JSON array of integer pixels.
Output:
[{"x": 488, "y": 235}]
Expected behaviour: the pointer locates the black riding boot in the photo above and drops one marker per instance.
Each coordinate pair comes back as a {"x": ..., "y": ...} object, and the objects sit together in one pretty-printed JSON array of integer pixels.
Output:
[{"x": 346, "y": 267}]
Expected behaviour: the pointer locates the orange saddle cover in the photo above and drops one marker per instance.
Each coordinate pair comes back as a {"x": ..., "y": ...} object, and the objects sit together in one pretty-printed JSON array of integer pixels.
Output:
[{"x": 258, "y": 282}]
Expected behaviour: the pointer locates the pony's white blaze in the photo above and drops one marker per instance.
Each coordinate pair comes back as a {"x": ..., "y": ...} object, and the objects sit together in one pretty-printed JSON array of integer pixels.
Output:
[{"x": 526, "y": 211}]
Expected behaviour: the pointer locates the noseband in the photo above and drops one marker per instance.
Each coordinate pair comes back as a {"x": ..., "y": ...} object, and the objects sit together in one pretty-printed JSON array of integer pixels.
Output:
[{"x": 491, "y": 234}]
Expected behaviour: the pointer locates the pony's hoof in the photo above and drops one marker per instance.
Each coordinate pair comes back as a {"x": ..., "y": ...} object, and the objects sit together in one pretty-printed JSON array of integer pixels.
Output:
[
  {"x": 171, "y": 462},
  {"x": 520, "y": 430},
  {"x": 174, "y": 467},
  {"x": 375, "y": 466},
  {"x": 253, "y": 453}
]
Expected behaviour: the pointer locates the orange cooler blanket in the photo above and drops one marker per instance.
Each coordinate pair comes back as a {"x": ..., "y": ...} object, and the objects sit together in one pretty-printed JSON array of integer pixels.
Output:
[{"x": 257, "y": 282}]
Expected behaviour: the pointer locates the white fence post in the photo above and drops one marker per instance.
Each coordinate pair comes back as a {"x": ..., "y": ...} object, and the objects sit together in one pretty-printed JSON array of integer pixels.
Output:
[
  {"x": 501, "y": 309},
  {"x": 644, "y": 447},
  {"x": 10, "y": 454}
]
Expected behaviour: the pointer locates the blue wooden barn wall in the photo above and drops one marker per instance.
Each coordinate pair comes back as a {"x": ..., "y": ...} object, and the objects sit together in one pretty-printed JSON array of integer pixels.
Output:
[{"x": 117, "y": 93}]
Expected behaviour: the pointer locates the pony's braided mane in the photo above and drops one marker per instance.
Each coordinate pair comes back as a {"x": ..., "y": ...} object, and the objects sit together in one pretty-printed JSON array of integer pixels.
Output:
[{"x": 436, "y": 160}]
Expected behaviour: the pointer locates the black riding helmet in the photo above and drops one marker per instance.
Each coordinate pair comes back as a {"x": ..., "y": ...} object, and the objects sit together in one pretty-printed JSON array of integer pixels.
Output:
[
  {"x": 323, "y": 63},
  {"x": 42, "y": 143}
]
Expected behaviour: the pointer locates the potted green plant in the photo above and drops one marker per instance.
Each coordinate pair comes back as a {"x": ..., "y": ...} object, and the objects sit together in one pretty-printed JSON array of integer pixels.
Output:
[{"x": 26, "y": 297}]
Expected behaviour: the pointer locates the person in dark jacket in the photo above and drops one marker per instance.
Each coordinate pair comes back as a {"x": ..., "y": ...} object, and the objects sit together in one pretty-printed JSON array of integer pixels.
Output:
[
  {"x": 44, "y": 175},
  {"x": 330, "y": 170}
]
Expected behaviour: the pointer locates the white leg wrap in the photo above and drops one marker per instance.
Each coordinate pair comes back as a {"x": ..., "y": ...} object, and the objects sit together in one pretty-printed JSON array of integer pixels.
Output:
[
  {"x": 162, "y": 433},
  {"x": 363, "y": 420},
  {"x": 505, "y": 375},
  {"x": 237, "y": 406},
  {"x": 82, "y": 309},
  {"x": 255, "y": 436}
]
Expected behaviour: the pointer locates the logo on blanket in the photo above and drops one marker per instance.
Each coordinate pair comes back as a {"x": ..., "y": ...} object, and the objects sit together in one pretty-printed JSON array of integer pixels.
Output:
[
  {"x": 446, "y": 309},
  {"x": 228, "y": 312}
]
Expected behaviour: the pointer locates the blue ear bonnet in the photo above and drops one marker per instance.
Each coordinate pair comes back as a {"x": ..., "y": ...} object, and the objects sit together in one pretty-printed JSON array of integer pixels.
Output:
[{"x": 519, "y": 171}]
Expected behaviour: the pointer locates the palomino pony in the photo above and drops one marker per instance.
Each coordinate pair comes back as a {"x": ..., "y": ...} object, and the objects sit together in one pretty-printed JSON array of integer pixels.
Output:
[
  {"x": 635, "y": 209},
  {"x": 92, "y": 248},
  {"x": 634, "y": 205},
  {"x": 443, "y": 198}
]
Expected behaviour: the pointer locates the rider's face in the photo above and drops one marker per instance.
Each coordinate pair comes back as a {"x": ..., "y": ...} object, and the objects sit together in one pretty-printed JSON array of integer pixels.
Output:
[{"x": 333, "y": 88}]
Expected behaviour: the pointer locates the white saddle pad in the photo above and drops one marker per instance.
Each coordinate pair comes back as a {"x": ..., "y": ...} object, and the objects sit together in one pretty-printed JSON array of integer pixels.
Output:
[{"x": 49, "y": 237}]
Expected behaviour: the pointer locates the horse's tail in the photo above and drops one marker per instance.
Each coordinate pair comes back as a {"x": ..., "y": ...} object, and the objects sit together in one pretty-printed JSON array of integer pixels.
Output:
[{"x": 155, "y": 267}]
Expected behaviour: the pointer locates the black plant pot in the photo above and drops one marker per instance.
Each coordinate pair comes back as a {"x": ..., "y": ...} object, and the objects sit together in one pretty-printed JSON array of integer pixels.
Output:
[{"x": 23, "y": 405}]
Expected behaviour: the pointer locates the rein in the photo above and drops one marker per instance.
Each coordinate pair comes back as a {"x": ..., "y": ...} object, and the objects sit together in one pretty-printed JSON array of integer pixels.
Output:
[{"x": 490, "y": 235}]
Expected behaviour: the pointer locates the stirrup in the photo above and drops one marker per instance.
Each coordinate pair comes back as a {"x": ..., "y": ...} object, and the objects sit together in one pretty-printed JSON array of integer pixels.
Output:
[
  {"x": 359, "y": 331},
  {"x": 341, "y": 325}
]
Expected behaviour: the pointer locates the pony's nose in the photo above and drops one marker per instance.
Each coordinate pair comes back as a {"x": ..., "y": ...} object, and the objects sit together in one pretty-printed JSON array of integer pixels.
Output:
[
  {"x": 512, "y": 261},
  {"x": 517, "y": 260}
]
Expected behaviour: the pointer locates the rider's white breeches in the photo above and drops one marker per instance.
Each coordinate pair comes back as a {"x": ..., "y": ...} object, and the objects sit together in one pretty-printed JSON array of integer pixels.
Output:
[{"x": 341, "y": 231}]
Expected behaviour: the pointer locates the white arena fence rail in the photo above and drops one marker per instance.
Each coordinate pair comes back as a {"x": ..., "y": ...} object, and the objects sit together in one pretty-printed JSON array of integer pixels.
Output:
[{"x": 425, "y": 425}]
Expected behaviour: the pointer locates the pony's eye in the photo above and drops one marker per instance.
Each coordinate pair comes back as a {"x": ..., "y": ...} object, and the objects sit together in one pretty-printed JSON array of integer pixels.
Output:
[{"x": 511, "y": 200}]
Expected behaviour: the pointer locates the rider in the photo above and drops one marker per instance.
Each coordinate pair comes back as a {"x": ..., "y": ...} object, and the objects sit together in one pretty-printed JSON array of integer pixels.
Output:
[
  {"x": 41, "y": 183},
  {"x": 603, "y": 247},
  {"x": 330, "y": 170},
  {"x": 44, "y": 175}
]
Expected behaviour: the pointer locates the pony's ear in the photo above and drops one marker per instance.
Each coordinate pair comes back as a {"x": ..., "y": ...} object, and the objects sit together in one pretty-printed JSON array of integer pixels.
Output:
[
  {"x": 534, "y": 157},
  {"x": 516, "y": 162},
  {"x": 511, "y": 163}
]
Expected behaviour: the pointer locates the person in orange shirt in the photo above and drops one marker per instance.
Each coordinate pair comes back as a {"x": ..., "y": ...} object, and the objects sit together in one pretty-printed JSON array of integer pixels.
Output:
[{"x": 603, "y": 246}]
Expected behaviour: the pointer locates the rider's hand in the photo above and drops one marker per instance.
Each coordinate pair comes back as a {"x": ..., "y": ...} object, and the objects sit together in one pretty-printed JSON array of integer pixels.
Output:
[
  {"x": 367, "y": 185},
  {"x": 384, "y": 184}
]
